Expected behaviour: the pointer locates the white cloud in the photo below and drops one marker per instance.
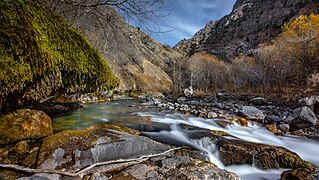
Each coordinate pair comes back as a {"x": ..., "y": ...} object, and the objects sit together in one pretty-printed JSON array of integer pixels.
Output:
[{"x": 189, "y": 16}]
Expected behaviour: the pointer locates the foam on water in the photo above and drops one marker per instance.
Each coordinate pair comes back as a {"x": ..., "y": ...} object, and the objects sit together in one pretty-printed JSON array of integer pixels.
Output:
[{"x": 306, "y": 149}]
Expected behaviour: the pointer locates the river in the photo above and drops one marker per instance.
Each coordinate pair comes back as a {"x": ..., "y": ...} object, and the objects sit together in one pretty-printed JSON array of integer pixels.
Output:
[{"x": 164, "y": 126}]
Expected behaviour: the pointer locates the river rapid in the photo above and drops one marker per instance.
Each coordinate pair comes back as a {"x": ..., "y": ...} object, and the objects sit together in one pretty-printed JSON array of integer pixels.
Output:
[{"x": 165, "y": 126}]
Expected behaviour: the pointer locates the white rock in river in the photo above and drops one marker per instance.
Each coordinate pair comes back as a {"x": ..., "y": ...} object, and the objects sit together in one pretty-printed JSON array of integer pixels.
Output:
[{"x": 252, "y": 113}]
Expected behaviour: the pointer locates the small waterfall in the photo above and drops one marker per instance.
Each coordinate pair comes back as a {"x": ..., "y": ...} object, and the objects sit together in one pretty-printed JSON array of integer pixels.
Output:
[{"x": 253, "y": 133}]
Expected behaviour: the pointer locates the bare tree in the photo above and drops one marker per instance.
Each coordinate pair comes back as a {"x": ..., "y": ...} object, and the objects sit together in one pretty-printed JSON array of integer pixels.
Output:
[{"x": 143, "y": 13}]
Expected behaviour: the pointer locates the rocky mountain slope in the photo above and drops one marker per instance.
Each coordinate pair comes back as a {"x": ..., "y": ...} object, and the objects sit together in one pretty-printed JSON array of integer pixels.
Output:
[
  {"x": 134, "y": 56},
  {"x": 250, "y": 23}
]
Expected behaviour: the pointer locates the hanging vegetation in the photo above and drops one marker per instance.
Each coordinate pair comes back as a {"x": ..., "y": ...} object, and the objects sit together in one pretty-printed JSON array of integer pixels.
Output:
[{"x": 40, "y": 55}]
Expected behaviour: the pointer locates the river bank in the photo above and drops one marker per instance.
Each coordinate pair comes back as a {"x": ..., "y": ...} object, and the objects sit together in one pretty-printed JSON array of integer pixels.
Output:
[{"x": 169, "y": 121}]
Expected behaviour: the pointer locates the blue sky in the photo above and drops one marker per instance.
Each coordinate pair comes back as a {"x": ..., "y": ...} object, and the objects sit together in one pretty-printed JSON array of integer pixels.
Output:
[{"x": 188, "y": 16}]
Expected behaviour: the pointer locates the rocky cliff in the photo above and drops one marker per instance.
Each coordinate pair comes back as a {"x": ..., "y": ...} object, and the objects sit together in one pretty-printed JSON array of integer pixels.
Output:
[
  {"x": 134, "y": 56},
  {"x": 250, "y": 23}
]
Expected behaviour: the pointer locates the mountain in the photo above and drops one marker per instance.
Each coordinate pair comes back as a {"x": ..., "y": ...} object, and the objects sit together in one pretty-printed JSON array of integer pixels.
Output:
[
  {"x": 41, "y": 56},
  {"x": 250, "y": 23},
  {"x": 137, "y": 60}
]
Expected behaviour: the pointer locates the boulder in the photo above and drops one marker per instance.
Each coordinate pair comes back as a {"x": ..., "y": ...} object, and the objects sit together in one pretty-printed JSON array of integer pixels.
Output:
[
  {"x": 301, "y": 118},
  {"x": 262, "y": 156},
  {"x": 251, "y": 113},
  {"x": 258, "y": 101},
  {"x": 283, "y": 127},
  {"x": 312, "y": 102},
  {"x": 24, "y": 124},
  {"x": 181, "y": 100},
  {"x": 308, "y": 101},
  {"x": 300, "y": 174},
  {"x": 21, "y": 148},
  {"x": 222, "y": 96},
  {"x": 79, "y": 148},
  {"x": 3, "y": 153}
]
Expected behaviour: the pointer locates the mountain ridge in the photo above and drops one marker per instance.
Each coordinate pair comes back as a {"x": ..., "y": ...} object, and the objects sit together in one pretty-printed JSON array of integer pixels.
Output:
[{"x": 250, "y": 23}]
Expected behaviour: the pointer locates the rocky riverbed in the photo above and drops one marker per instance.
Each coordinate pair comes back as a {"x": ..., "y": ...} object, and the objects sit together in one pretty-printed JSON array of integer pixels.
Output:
[
  {"x": 297, "y": 119},
  {"x": 32, "y": 143}
]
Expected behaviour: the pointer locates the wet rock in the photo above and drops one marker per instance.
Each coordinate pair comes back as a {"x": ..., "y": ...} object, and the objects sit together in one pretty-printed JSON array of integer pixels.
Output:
[
  {"x": 75, "y": 149},
  {"x": 242, "y": 121},
  {"x": 251, "y": 113},
  {"x": 181, "y": 100},
  {"x": 59, "y": 106},
  {"x": 24, "y": 124},
  {"x": 301, "y": 118},
  {"x": 258, "y": 101},
  {"x": 263, "y": 156},
  {"x": 212, "y": 115},
  {"x": 300, "y": 174},
  {"x": 272, "y": 128},
  {"x": 88, "y": 98},
  {"x": 284, "y": 127},
  {"x": 21, "y": 148},
  {"x": 42, "y": 176},
  {"x": 218, "y": 105}
]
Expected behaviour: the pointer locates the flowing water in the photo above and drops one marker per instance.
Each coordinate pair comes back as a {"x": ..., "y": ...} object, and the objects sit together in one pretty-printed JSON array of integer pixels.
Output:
[{"x": 165, "y": 127}]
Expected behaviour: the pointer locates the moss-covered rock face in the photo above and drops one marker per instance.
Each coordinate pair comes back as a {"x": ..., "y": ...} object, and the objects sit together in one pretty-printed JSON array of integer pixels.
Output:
[
  {"x": 24, "y": 124},
  {"x": 41, "y": 55}
]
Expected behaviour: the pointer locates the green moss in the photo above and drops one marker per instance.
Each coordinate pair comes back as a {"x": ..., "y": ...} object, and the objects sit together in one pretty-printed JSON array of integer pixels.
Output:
[
  {"x": 294, "y": 162},
  {"x": 41, "y": 55}
]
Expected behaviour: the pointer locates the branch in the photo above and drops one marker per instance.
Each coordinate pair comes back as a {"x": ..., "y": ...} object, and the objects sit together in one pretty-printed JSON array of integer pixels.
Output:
[{"x": 83, "y": 171}]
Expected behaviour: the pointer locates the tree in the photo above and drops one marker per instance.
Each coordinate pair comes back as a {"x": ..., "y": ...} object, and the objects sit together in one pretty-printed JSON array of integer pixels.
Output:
[
  {"x": 299, "y": 44},
  {"x": 293, "y": 58},
  {"x": 143, "y": 13},
  {"x": 207, "y": 72}
]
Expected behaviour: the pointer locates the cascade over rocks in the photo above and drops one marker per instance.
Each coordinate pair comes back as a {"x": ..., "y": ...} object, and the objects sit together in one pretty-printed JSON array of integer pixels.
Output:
[
  {"x": 72, "y": 150},
  {"x": 238, "y": 152}
]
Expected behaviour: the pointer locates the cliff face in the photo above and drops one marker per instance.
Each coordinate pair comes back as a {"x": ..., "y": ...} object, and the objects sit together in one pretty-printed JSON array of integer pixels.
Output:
[
  {"x": 134, "y": 57},
  {"x": 250, "y": 23}
]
